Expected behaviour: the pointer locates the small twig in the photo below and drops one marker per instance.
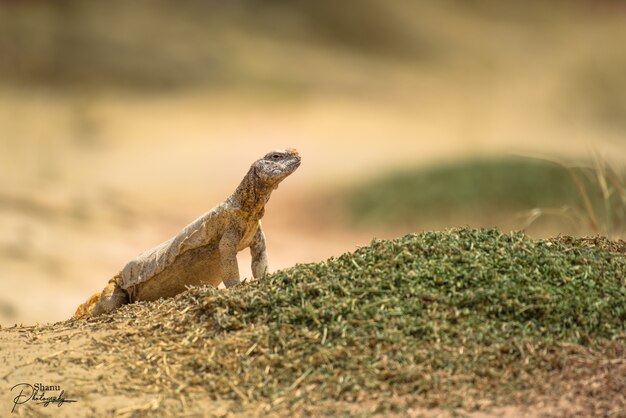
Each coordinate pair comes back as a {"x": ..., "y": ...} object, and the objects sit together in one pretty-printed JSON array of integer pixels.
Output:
[
  {"x": 299, "y": 380},
  {"x": 251, "y": 349},
  {"x": 238, "y": 392}
]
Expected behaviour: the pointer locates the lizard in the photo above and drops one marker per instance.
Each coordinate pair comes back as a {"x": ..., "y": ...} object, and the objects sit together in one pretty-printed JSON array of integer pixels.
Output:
[{"x": 205, "y": 251}]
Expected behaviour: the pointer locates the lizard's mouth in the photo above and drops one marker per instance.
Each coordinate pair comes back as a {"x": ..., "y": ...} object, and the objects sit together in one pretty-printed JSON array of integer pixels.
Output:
[
  {"x": 296, "y": 162},
  {"x": 291, "y": 167}
]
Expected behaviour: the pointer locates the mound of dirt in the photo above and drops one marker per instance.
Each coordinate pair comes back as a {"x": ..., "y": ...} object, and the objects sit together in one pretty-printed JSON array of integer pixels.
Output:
[{"x": 463, "y": 319}]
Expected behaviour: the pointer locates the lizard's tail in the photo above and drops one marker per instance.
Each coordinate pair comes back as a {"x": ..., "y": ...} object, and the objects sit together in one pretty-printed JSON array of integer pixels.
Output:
[
  {"x": 111, "y": 298},
  {"x": 84, "y": 309}
]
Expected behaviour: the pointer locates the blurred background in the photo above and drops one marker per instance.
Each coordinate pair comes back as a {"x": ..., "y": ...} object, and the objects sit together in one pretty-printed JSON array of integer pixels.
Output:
[{"x": 121, "y": 122}]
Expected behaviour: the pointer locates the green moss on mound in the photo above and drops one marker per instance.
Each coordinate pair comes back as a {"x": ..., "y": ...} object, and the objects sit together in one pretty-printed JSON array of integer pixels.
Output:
[{"x": 443, "y": 317}]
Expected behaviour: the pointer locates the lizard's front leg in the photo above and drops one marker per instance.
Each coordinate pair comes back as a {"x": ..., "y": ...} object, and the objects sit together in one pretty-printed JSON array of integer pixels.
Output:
[
  {"x": 229, "y": 270},
  {"x": 259, "y": 254}
]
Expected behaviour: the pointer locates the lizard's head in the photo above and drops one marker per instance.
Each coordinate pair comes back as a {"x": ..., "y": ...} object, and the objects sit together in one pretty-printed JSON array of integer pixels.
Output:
[{"x": 276, "y": 166}]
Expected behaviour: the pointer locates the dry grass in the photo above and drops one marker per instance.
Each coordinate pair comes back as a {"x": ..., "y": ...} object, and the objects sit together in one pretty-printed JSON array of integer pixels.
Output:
[{"x": 602, "y": 194}]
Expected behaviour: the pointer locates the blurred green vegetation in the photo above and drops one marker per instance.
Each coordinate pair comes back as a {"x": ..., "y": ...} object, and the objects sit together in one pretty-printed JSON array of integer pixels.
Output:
[
  {"x": 296, "y": 47},
  {"x": 488, "y": 188},
  {"x": 164, "y": 44},
  {"x": 299, "y": 47}
]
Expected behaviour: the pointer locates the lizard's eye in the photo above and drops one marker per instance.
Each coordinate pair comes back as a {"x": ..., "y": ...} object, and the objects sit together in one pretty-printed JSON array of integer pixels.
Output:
[{"x": 275, "y": 156}]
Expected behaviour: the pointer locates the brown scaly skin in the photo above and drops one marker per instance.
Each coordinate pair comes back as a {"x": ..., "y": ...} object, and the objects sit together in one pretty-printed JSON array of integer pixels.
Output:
[{"x": 204, "y": 252}]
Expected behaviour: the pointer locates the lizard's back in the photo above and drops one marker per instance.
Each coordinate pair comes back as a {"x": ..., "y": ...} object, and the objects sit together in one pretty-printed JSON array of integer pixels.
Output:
[{"x": 190, "y": 258}]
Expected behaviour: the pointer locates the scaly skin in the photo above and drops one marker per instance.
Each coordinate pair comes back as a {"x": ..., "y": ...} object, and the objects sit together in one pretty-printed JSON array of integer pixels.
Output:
[{"x": 204, "y": 252}]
